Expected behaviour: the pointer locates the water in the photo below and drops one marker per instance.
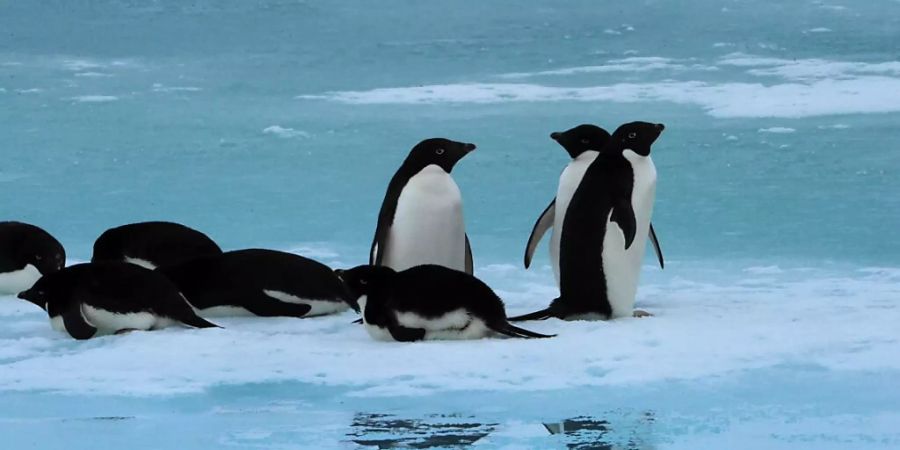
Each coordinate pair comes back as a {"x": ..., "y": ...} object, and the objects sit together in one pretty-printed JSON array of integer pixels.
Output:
[{"x": 278, "y": 124}]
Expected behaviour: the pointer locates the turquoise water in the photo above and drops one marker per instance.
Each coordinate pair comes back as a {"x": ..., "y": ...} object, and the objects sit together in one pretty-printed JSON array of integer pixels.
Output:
[{"x": 278, "y": 124}]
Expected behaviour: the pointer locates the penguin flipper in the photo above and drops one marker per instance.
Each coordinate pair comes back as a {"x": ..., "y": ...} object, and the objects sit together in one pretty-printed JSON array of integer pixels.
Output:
[
  {"x": 543, "y": 314},
  {"x": 543, "y": 223},
  {"x": 357, "y": 321},
  {"x": 198, "y": 322},
  {"x": 623, "y": 215},
  {"x": 470, "y": 263},
  {"x": 76, "y": 324},
  {"x": 404, "y": 334},
  {"x": 656, "y": 247},
  {"x": 516, "y": 332}
]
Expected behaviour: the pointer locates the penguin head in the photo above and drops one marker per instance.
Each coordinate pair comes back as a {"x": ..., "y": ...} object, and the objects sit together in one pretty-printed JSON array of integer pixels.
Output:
[
  {"x": 437, "y": 151},
  {"x": 44, "y": 252},
  {"x": 362, "y": 280},
  {"x": 41, "y": 292},
  {"x": 636, "y": 136},
  {"x": 581, "y": 139}
]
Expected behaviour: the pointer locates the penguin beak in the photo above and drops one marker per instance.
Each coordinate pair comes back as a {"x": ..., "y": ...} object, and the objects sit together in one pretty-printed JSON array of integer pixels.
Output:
[
  {"x": 555, "y": 135},
  {"x": 469, "y": 147},
  {"x": 660, "y": 127}
]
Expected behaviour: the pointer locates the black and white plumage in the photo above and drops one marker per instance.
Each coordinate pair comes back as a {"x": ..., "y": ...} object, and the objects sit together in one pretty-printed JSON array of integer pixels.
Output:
[
  {"x": 27, "y": 252},
  {"x": 582, "y": 143},
  {"x": 92, "y": 299},
  {"x": 259, "y": 282},
  {"x": 604, "y": 234},
  {"x": 153, "y": 244},
  {"x": 421, "y": 217},
  {"x": 428, "y": 302}
]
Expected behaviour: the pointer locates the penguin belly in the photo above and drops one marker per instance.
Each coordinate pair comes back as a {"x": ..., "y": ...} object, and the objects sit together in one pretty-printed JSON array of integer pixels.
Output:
[
  {"x": 376, "y": 332},
  {"x": 568, "y": 183},
  {"x": 428, "y": 223},
  {"x": 454, "y": 325},
  {"x": 109, "y": 322},
  {"x": 622, "y": 268},
  {"x": 12, "y": 283}
]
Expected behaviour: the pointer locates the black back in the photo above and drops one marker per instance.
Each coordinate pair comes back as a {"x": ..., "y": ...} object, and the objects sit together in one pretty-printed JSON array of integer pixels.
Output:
[
  {"x": 236, "y": 277},
  {"x": 582, "y": 138},
  {"x": 438, "y": 151},
  {"x": 427, "y": 290},
  {"x": 114, "y": 286},
  {"x": 604, "y": 193},
  {"x": 161, "y": 243},
  {"x": 22, "y": 244}
]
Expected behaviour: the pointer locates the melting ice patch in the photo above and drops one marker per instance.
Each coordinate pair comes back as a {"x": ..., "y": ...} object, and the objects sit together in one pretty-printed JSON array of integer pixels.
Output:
[
  {"x": 632, "y": 64},
  {"x": 284, "y": 132},
  {"x": 94, "y": 98},
  {"x": 769, "y": 318},
  {"x": 777, "y": 130}
]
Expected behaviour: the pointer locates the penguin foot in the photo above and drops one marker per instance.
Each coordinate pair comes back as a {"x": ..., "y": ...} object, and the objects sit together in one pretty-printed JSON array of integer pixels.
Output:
[{"x": 640, "y": 313}]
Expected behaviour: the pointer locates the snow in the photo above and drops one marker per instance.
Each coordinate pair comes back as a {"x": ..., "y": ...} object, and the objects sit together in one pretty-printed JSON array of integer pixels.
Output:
[
  {"x": 811, "y": 87},
  {"x": 772, "y": 318}
]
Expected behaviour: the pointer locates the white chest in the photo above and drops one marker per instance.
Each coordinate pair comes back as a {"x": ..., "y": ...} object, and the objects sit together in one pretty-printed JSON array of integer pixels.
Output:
[
  {"x": 428, "y": 223},
  {"x": 622, "y": 268},
  {"x": 19, "y": 280}
]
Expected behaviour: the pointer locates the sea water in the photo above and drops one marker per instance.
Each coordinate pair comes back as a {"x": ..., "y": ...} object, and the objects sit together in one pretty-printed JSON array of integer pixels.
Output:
[{"x": 278, "y": 124}]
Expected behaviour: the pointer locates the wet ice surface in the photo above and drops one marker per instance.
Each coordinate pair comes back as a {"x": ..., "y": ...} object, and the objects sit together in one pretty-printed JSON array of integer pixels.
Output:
[{"x": 763, "y": 361}]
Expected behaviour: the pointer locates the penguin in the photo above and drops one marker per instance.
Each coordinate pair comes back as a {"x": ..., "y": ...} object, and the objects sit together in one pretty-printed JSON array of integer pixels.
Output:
[
  {"x": 610, "y": 212},
  {"x": 421, "y": 217},
  {"x": 94, "y": 299},
  {"x": 27, "y": 253},
  {"x": 427, "y": 302},
  {"x": 582, "y": 143},
  {"x": 153, "y": 244},
  {"x": 257, "y": 282}
]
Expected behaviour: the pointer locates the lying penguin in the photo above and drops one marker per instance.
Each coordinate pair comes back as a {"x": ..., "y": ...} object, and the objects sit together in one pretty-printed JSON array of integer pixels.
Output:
[
  {"x": 27, "y": 252},
  {"x": 428, "y": 302},
  {"x": 153, "y": 244},
  {"x": 259, "y": 282},
  {"x": 92, "y": 299}
]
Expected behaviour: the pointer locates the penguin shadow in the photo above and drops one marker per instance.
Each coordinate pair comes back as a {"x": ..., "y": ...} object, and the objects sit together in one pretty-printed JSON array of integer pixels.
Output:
[
  {"x": 386, "y": 431},
  {"x": 592, "y": 433}
]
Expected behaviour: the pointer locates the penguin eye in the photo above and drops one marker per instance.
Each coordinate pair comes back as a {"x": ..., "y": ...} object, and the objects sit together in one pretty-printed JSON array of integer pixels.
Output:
[
  {"x": 38, "y": 257},
  {"x": 363, "y": 281},
  {"x": 585, "y": 141},
  {"x": 439, "y": 151},
  {"x": 632, "y": 135}
]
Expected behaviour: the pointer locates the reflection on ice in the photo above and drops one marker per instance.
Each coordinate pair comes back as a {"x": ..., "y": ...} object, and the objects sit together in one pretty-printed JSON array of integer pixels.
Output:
[{"x": 432, "y": 431}]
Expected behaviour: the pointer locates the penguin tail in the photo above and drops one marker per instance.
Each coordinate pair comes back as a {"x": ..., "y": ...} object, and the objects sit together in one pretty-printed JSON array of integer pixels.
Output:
[
  {"x": 199, "y": 322},
  {"x": 543, "y": 314},
  {"x": 516, "y": 332}
]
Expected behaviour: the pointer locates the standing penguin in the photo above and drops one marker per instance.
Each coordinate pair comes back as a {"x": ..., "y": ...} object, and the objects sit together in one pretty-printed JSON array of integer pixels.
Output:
[
  {"x": 153, "y": 244},
  {"x": 27, "y": 252},
  {"x": 582, "y": 143},
  {"x": 92, "y": 299},
  {"x": 259, "y": 282},
  {"x": 428, "y": 302},
  {"x": 421, "y": 218},
  {"x": 605, "y": 228}
]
